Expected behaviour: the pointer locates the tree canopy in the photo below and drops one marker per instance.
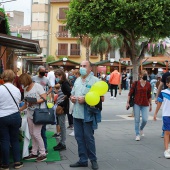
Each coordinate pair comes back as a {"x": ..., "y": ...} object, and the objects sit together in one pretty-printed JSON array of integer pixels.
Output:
[
  {"x": 149, "y": 18},
  {"x": 132, "y": 19}
]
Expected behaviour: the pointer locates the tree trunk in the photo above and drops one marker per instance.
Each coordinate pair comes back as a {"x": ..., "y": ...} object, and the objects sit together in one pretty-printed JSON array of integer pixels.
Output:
[
  {"x": 106, "y": 56},
  {"x": 135, "y": 70},
  {"x": 87, "y": 53},
  {"x": 101, "y": 56}
]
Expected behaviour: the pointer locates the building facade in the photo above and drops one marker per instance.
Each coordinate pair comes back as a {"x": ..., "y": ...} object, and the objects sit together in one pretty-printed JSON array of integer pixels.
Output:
[
  {"x": 15, "y": 18},
  {"x": 61, "y": 42},
  {"x": 40, "y": 23}
]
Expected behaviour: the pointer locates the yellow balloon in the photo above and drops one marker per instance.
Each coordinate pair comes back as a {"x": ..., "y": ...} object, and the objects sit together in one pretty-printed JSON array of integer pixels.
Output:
[
  {"x": 100, "y": 87},
  {"x": 92, "y": 98},
  {"x": 50, "y": 105}
]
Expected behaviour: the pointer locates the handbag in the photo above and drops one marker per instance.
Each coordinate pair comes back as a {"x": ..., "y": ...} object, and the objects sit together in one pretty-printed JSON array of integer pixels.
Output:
[
  {"x": 132, "y": 97},
  {"x": 59, "y": 110},
  {"x": 44, "y": 116}
]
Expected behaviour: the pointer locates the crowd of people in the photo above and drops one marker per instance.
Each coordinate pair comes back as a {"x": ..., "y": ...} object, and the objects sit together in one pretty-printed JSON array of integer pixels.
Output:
[{"x": 67, "y": 91}]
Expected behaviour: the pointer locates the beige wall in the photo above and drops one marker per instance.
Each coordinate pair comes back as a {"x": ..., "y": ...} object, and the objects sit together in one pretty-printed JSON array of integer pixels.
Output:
[
  {"x": 39, "y": 8},
  {"x": 53, "y": 41},
  {"x": 39, "y": 26}
]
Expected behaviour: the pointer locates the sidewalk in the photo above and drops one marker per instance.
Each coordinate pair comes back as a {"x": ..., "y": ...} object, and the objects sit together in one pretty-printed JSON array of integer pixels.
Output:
[{"x": 115, "y": 143}]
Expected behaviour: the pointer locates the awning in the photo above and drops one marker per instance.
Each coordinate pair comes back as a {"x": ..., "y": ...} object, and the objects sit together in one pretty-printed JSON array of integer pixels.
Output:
[
  {"x": 21, "y": 46},
  {"x": 34, "y": 60}
]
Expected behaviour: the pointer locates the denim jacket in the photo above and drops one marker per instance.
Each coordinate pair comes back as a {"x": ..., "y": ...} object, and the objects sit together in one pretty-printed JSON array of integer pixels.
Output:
[{"x": 92, "y": 114}]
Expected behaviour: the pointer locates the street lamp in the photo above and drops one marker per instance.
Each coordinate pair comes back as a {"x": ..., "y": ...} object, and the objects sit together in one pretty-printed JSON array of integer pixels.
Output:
[
  {"x": 64, "y": 60},
  {"x": 112, "y": 61},
  {"x": 154, "y": 63}
]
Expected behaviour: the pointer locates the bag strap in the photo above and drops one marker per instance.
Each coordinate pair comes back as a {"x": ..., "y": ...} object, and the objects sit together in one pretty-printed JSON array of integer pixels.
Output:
[
  {"x": 45, "y": 102},
  {"x": 11, "y": 96}
]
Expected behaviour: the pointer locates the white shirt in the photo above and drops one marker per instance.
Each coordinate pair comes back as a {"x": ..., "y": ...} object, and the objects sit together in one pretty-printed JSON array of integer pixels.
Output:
[
  {"x": 51, "y": 78},
  {"x": 7, "y": 104},
  {"x": 35, "y": 92}
]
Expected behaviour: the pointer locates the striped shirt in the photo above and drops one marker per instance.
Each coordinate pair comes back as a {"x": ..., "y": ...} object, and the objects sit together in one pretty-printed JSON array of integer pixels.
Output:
[
  {"x": 164, "y": 97},
  {"x": 60, "y": 96}
]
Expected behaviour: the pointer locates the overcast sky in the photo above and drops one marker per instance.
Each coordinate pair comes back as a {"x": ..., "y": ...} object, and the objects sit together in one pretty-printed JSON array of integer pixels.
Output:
[{"x": 19, "y": 5}]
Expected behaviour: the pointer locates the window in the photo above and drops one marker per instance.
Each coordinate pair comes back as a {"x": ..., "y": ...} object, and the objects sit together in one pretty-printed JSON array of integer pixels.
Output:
[
  {"x": 74, "y": 49},
  {"x": 62, "y": 31},
  {"x": 62, "y": 13},
  {"x": 62, "y": 49}
]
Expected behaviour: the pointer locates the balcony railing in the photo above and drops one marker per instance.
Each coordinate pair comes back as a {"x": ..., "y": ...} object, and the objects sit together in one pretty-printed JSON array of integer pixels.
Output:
[
  {"x": 65, "y": 52},
  {"x": 64, "y": 35},
  {"x": 75, "y": 52},
  {"x": 62, "y": 52}
]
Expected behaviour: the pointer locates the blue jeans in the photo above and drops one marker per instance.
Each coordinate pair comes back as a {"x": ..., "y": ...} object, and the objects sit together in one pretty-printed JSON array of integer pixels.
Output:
[
  {"x": 84, "y": 134},
  {"x": 144, "y": 111},
  {"x": 9, "y": 135},
  {"x": 43, "y": 135}
]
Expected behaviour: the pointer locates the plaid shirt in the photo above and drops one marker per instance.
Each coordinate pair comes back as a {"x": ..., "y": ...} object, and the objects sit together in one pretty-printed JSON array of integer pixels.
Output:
[{"x": 142, "y": 95}]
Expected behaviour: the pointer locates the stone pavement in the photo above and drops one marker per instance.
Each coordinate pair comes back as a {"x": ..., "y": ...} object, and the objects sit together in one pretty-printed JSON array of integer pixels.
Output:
[{"x": 115, "y": 143}]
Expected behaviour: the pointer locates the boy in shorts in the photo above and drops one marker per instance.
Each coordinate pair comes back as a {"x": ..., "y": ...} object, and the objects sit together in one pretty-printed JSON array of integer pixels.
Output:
[{"x": 164, "y": 97}]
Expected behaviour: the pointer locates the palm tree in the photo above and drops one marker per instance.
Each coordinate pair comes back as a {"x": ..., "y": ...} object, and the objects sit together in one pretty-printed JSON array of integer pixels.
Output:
[
  {"x": 99, "y": 46},
  {"x": 86, "y": 41},
  {"x": 114, "y": 42},
  {"x": 105, "y": 43}
]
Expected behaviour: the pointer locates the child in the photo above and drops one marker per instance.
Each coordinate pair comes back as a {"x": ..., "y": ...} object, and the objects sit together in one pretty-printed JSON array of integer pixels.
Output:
[
  {"x": 60, "y": 119},
  {"x": 56, "y": 88},
  {"x": 164, "y": 98}
]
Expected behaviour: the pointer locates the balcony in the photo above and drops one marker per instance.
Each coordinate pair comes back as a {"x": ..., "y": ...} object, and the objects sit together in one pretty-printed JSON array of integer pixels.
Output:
[
  {"x": 75, "y": 52},
  {"x": 61, "y": 52},
  {"x": 65, "y": 35}
]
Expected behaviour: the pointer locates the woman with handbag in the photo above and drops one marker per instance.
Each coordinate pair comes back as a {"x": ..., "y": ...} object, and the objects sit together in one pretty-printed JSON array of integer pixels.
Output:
[
  {"x": 35, "y": 91},
  {"x": 64, "y": 91},
  {"x": 142, "y": 102},
  {"x": 10, "y": 121}
]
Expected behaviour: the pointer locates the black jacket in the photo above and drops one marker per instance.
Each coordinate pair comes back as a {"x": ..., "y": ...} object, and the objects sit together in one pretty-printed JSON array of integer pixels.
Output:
[{"x": 66, "y": 89}]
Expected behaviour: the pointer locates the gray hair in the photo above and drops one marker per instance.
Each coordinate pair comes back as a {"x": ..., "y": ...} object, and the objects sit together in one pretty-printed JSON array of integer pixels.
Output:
[{"x": 40, "y": 67}]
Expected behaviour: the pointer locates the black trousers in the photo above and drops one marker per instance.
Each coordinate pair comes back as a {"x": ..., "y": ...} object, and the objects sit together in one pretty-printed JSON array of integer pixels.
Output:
[{"x": 112, "y": 86}]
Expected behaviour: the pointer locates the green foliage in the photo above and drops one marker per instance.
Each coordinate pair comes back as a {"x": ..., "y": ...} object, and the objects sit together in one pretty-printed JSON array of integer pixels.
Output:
[
  {"x": 50, "y": 58},
  {"x": 150, "y": 18},
  {"x": 131, "y": 19},
  {"x": 157, "y": 48},
  {"x": 104, "y": 43},
  {"x": 7, "y": 27}
]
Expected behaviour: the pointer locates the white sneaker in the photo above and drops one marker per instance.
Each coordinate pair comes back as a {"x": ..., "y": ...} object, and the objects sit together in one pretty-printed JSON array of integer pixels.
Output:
[
  {"x": 167, "y": 154},
  {"x": 141, "y": 133},
  {"x": 71, "y": 134},
  {"x": 169, "y": 146},
  {"x": 111, "y": 97},
  {"x": 114, "y": 97},
  {"x": 137, "y": 138}
]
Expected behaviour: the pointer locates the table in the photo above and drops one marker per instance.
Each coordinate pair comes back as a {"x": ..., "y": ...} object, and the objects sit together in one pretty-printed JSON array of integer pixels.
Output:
[{"x": 27, "y": 137}]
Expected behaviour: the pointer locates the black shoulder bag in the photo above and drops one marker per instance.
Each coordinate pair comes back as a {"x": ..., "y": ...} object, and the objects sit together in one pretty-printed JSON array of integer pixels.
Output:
[
  {"x": 44, "y": 116},
  {"x": 132, "y": 97}
]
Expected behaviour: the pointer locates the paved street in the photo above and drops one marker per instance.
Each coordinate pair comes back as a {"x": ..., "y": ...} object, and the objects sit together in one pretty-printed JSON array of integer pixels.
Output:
[{"x": 115, "y": 143}]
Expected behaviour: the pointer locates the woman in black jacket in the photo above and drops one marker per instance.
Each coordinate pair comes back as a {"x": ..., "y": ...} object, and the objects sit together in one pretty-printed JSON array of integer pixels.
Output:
[{"x": 65, "y": 90}]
